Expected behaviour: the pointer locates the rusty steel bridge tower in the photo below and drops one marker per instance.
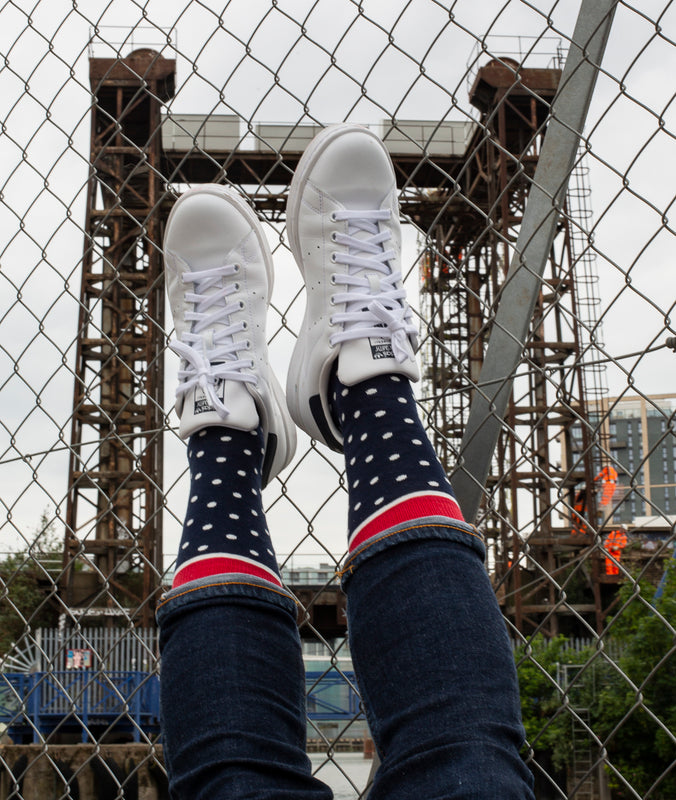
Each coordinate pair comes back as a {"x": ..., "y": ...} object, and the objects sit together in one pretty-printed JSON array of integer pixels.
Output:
[
  {"x": 467, "y": 189},
  {"x": 114, "y": 511}
]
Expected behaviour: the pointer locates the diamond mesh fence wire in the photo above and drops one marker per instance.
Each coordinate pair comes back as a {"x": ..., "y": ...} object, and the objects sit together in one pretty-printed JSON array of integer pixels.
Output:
[{"x": 109, "y": 111}]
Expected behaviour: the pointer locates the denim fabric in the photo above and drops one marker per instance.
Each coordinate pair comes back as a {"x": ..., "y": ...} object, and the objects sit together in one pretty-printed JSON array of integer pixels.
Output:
[
  {"x": 232, "y": 693},
  {"x": 433, "y": 663},
  {"x": 435, "y": 668}
]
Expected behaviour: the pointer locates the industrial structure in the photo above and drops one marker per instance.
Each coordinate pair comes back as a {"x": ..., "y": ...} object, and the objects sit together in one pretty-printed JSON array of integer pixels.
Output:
[
  {"x": 114, "y": 511},
  {"x": 465, "y": 184}
]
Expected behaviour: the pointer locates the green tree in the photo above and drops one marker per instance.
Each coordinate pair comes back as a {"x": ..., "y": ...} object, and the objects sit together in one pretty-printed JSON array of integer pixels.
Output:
[
  {"x": 628, "y": 686},
  {"x": 27, "y": 585},
  {"x": 635, "y": 712},
  {"x": 547, "y": 718}
]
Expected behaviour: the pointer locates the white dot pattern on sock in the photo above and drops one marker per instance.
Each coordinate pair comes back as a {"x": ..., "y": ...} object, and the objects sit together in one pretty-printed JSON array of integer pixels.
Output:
[
  {"x": 231, "y": 511},
  {"x": 377, "y": 410}
]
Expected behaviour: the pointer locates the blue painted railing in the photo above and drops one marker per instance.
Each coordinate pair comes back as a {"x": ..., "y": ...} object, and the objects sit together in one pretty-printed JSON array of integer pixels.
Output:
[
  {"x": 331, "y": 695},
  {"x": 37, "y": 704},
  {"x": 90, "y": 702}
]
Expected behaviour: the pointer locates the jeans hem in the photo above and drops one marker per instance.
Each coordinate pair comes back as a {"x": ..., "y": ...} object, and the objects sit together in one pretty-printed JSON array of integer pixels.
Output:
[
  {"x": 445, "y": 528},
  {"x": 217, "y": 588}
]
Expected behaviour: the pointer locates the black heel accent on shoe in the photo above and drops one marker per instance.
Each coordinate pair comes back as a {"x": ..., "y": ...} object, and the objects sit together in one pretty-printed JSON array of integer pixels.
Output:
[
  {"x": 268, "y": 459},
  {"x": 320, "y": 418}
]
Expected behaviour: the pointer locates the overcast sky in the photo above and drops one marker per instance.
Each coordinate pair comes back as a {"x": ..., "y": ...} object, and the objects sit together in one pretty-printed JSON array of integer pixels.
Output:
[{"x": 291, "y": 61}]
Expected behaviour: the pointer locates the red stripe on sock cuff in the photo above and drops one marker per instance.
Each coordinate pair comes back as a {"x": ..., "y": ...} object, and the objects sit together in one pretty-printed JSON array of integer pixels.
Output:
[
  {"x": 218, "y": 565},
  {"x": 405, "y": 511}
]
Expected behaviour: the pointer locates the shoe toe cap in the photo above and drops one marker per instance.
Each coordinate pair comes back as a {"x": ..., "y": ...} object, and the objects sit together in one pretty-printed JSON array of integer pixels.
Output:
[
  {"x": 355, "y": 169},
  {"x": 204, "y": 229}
]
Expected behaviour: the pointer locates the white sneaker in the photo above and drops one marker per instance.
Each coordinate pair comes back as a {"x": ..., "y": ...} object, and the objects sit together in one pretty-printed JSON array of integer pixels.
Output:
[
  {"x": 219, "y": 279},
  {"x": 343, "y": 227}
]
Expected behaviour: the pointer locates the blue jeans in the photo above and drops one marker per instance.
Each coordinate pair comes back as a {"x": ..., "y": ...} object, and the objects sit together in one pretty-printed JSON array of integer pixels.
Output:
[{"x": 432, "y": 659}]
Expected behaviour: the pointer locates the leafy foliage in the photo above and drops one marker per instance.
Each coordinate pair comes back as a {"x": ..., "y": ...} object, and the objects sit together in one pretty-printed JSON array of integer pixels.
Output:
[
  {"x": 27, "y": 581},
  {"x": 636, "y": 714},
  {"x": 625, "y": 687}
]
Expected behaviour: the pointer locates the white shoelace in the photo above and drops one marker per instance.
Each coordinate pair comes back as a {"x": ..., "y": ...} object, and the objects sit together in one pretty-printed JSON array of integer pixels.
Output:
[
  {"x": 211, "y": 308},
  {"x": 374, "y": 306}
]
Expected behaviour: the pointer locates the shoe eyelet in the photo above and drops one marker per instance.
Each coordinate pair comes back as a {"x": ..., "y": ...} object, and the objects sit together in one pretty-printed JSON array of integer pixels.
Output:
[
  {"x": 237, "y": 287},
  {"x": 332, "y": 324},
  {"x": 334, "y": 236},
  {"x": 332, "y": 279},
  {"x": 241, "y": 303},
  {"x": 333, "y": 258},
  {"x": 245, "y": 325},
  {"x": 236, "y": 267},
  {"x": 333, "y": 216}
]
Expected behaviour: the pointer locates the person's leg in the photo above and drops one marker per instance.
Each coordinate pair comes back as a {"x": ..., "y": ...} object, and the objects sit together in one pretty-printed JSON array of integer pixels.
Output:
[
  {"x": 430, "y": 648},
  {"x": 232, "y": 678}
]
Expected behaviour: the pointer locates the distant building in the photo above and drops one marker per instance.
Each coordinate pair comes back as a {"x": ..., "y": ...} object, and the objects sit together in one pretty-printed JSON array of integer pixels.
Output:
[{"x": 638, "y": 436}]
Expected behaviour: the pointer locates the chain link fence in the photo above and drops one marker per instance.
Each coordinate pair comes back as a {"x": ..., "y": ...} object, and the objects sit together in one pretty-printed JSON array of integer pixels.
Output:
[{"x": 109, "y": 111}]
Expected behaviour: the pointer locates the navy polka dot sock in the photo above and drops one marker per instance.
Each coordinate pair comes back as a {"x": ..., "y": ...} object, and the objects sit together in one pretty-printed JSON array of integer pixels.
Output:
[
  {"x": 225, "y": 529},
  {"x": 393, "y": 473}
]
